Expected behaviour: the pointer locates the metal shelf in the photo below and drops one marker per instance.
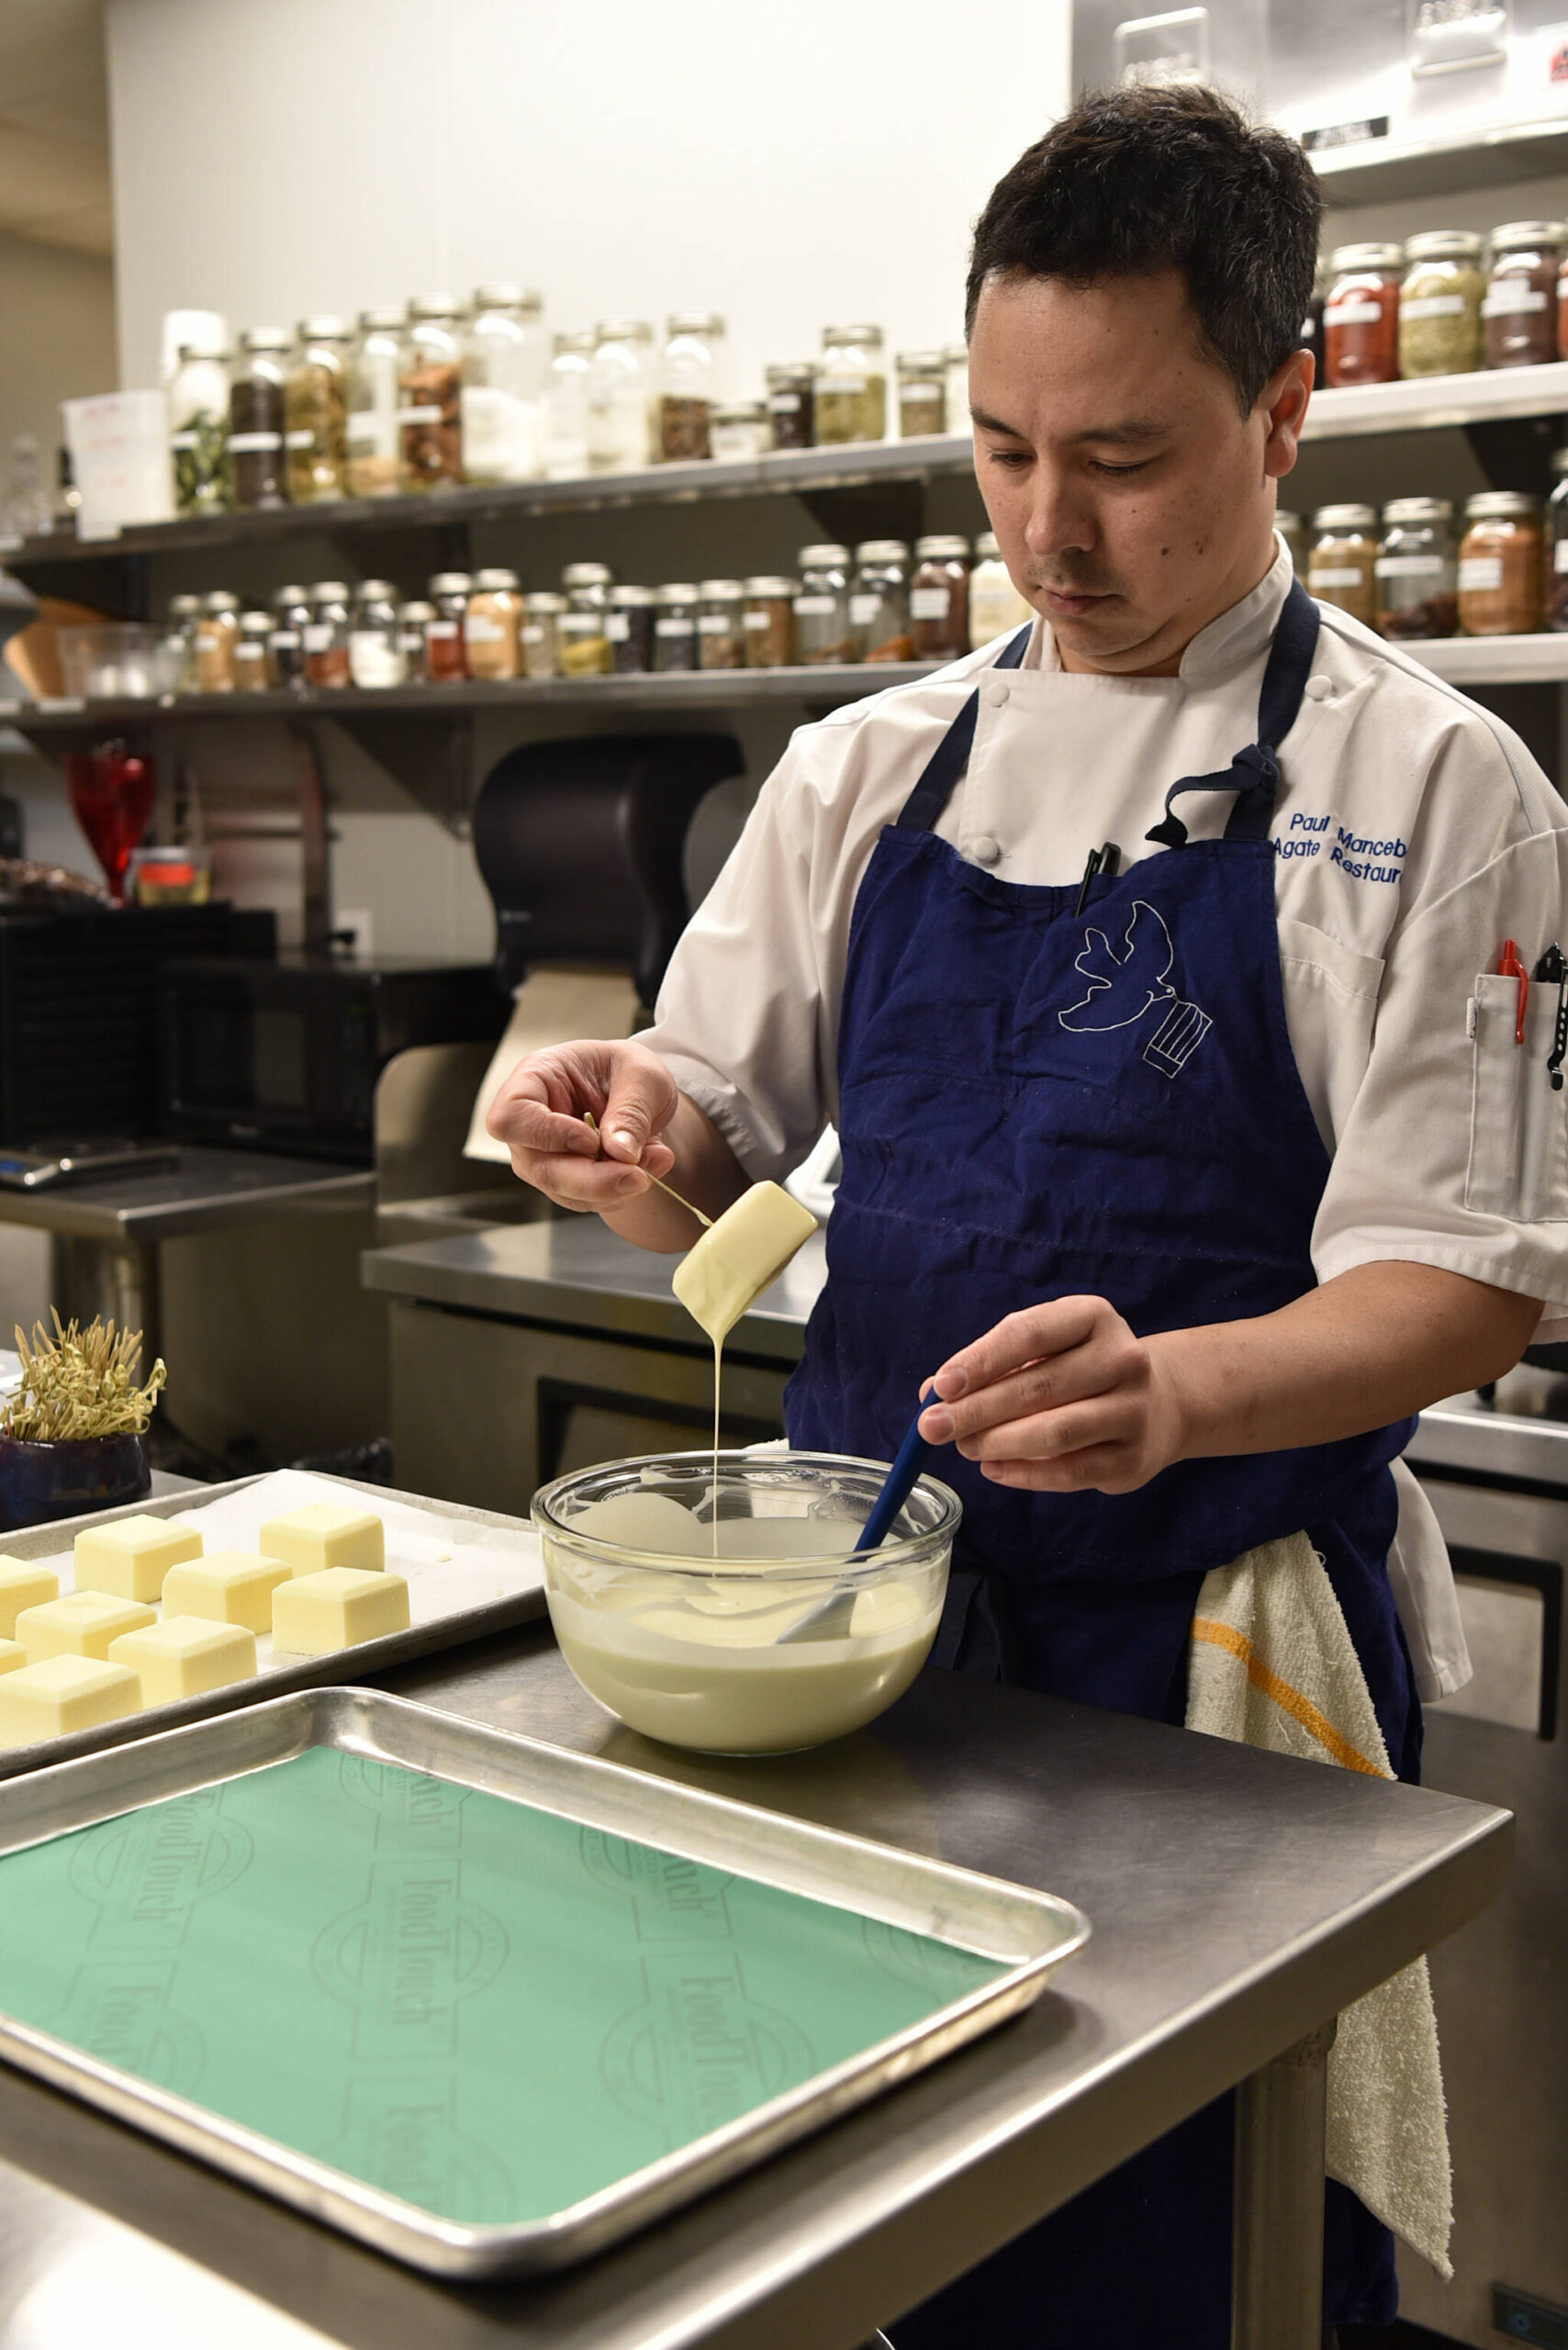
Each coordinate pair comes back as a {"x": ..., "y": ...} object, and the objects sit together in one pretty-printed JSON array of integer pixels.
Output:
[
  {"x": 1377, "y": 171},
  {"x": 1494, "y": 660},
  {"x": 1489, "y": 395}
]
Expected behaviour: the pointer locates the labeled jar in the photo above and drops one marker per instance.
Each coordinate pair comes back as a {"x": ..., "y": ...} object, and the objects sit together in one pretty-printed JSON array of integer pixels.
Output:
[
  {"x": 256, "y": 462},
  {"x": 996, "y": 606},
  {"x": 502, "y": 401},
  {"x": 316, "y": 412},
  {"x": 286, "y": 643},
  {"x": 1416, "y": 579},
  {"x": 582, "y": 629},
  {"x": 721, "y": 624},
  {"x": 792, "y": 404},
  {"x": 251, "y": 653},
  {"x": 768, "y": 620},
  {"x": 878, "y": 601},
  {"x": 1518, "y": 309},
  {"x": 1360, "y": 316},
  {"x": 373, "y": 397},
  {"x": 1440, "y": 304},
  {"x": 939, "y": 598},
  {"x": 413, "y": 620},
  {"x": 1292, "y": 530},
  {"x": 923, "y": 394},
  {"x": 492, "y": 625},
  {"x": 217, "y": 634},
  {"x": 822, "y": 606},
  {"x": 623, "y": 398},
  {"x": 541, "y": 611},
  {"x": 739, "y": 430},
  {"x": 675, "y": 626},
  {"x": 630, "y": 628},
  {"x": 956, "y": 383},
  {"x": 180, "y": 643},
  {"x": 326, "y": 637},
  {"x": 852, "y": 386},
  {"x": 198, "y": 427},
  {"x": 691, "y": 385},
  {"x": 377, "y": 658},
  {"x": 446, "y": 658},
  {"x": 429, "y": 394},
  {"x": 565, "y": 450},
  {"x": 1341, "y": 569},
  {"x": 1502, "y": 565}
]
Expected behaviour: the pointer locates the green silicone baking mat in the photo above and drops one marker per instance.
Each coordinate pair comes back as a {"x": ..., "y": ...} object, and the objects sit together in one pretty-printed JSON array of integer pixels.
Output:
[{"x": 468, "y": 2003}]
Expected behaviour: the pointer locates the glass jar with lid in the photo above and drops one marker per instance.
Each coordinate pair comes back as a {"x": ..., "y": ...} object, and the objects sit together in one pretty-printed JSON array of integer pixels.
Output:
[
  {"x": 630, "y": 628},
  {"x": 737, "y": 430},
  {"x": 1416, "y": 579},
  {"x": 251, "y": 653},
  {"x": 1341, "y": 568},
  {"x": 720, "y": 625},
  {"x": 691, "y": 385},
  {"x": 956, "y": 377},
  {"x": 217, "y": 634},
  {"x": 1518, "y": 309},
  {"x": 315, "y": 400},
  {"x": 878, "y": 601},
  {"x": 285, "y": 645},
  {"x": 565, "y": 450},
  {"x": 1440, "y": 304},
  {"x": 1502, "y": 565},
  {"x": 413, "y": 619},
  {"x": 373, "y": 397},
  {"x": 674, "y": 625},
  {"x": 623, "y": 398},
  {"x": 1360, "y": 316},
  {"x": 446, "y": 655},
  {"x": 256, "y": 462},
  {"x": 823, "y": 632},
  {"x": 326, "y": 637},
  {"x": 767, "y": 618},
  {"x": 376, "y": 657},
  {"x": 923, "y": 394},
  {"x": 792, "y": 404},
  {"x": 995, "y": 605},
  {"x": 1557, "y": 545},
  {"x": 582, "y": 630},
  {"x": 429, "y": 393},
  {"x": 1292, "y": 530},
  {"x": 492, "y": 624},
  {"x": 198, "y": 426},
  {"x": 180, "y": 643},
  {"x": 502, "y": 399},
  {"x": 542, "y": 632},
  {"x": 852, "y": 386},
  {"x": 939, "y": 598}
]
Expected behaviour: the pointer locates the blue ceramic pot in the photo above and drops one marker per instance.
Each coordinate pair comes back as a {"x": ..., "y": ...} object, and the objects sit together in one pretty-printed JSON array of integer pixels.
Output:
[{"x": 40, "y": 1483}]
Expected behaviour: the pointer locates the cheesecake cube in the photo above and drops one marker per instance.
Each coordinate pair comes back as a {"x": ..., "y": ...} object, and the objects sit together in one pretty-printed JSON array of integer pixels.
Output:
[
  {"x": 227, "y": 1587},
  {"x": 82, "y": 1623},
  {"x": 131, "y": 1557},
  {"x": 185, "y": 1656},
  {"x": 312, "y": 1615},
  {"x": 23, "y": 1586},
  {"x": 64, "y": 1694},
  {"x": 322, "y": 1536},
  {"x": 13, "y": 1656}
]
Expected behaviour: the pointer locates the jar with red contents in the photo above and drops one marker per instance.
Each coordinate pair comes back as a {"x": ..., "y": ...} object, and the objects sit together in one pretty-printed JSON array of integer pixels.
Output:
[
  {"x": 446, "y": 657},
  {"x": 1361, "y": 318}
]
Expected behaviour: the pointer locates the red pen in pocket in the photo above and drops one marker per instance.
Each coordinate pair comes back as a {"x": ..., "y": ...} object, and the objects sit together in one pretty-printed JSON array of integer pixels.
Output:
[{"x": 1510, "y": 965}]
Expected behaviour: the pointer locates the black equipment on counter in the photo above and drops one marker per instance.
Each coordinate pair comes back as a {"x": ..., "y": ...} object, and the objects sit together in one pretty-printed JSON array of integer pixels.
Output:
[
  {"x": 285, "y": 1055},
  {"x": 580, "y": 842}
]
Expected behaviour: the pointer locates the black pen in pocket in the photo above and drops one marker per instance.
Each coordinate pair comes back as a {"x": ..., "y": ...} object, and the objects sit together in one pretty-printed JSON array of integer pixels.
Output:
[{"x": 1552, "y": 971}]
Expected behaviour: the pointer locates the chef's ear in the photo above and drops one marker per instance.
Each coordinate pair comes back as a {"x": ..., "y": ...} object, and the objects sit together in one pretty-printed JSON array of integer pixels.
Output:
[{"x": 1282, "y": 405}]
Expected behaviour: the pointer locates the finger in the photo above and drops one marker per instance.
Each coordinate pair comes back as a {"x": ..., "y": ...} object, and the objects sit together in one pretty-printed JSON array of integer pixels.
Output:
[
  {"x": 530, "y": 1113},
  {"x": 1049, "y": 1436},
  {"x": 1093, "y": 1369},
  {"x": 1022, "y": 1337},
  {"x": 599, "y": 1184},
  {"x": 1101, "y": 1467},
  {"x": 642, "y": 1103}
]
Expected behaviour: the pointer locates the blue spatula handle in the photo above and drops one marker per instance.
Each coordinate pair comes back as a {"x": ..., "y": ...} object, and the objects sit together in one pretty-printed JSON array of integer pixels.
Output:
[{"x": 913, "y": 1453}]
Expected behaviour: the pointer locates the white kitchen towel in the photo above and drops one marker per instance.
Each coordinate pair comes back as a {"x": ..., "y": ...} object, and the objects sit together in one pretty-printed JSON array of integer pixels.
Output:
[{"x": 1273, "y": 1665}]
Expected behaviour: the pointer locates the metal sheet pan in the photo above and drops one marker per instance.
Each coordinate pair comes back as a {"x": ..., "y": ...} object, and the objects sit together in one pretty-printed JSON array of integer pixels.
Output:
[
  {"x": 1027, "y": 1932},
  {"x": 274, "y": 1681}
]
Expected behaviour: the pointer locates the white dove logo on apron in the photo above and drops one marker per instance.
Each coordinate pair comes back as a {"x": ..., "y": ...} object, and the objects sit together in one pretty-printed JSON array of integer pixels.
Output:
[{"x": 1124, "y": 986}]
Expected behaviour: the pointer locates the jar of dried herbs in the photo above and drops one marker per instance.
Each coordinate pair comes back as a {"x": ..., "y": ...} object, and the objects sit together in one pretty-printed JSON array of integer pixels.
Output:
[
  {"x": 690, "y": 384},
  {"x": 1518, "y": 309},
  {"x": 630, "y": 628},
  {"x": 1557, "y": 545},
  {"x": 923, "y": 394},
  {"x": 316, "y": 412},
  {"x": 198, "y": 427},
  {"x": 623, "y": 398},
  {"x": 376, "y": 658},
  {"x": 217, "y": 633},
  {"x": 326, "y": 637},
  {"x": 767, "y": 619},
  {"x": 430, "y": 414},
  {"x": 1502, "y": 565},
  {"x": 251, "y": 653},
  {"x": 823, "y": 632},
  {"x": 286, "y": 643},
  {"x": 1440, "y": 304},
  {"x": 542, "y": 634},
  {"x": 583, "y": 631},
  {"x": 504, "y": 365},
  {"x": 1417, "y": 581},
  {"x": 1340, "y": 569},
  {"x": 373, "y": 395},
  {"x": 675, "y": 626},
  {"x": 492, "y": 625},
  {"x": 256, "y": 421},
  {"x": 939, "y": 598},
  {"x": 956, "y": 375},
  {"x": 878, "y": 601},
  {"x": 446, "y": 660},
  {"x": 180, "y": 643},
  {"x": 413, "y": 619},
  {"x": 720, "y": 625},
  {"x": 792, "y": 404},
  {"x": 739, "y": 432},
  {"x": 852, "y": 386}
]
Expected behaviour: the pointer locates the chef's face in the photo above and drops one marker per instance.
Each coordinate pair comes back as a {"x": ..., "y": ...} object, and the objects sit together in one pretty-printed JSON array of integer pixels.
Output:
[{"x": 1132, "y": 500}]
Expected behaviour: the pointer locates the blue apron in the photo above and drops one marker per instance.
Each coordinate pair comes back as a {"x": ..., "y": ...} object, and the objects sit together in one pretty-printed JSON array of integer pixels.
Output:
[{"x": 1038, "y": 1103}]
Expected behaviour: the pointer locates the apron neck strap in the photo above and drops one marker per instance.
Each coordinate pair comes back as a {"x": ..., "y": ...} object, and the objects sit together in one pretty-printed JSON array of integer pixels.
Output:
[
  {"x": 1254, "y": 774},
  {"x": 951, "y": 757}
]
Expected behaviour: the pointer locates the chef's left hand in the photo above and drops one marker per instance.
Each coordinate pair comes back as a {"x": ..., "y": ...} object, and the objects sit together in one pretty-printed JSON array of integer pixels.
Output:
[{"x": 1059, "y": 1398}]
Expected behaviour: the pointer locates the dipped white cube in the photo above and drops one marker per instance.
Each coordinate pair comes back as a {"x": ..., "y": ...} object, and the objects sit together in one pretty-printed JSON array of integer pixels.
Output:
[
  {"x": 81, "y": 1623},
  {"x": 131, "y": 1557},
  {"x": 23, "y": 1586},
  {"x": 185, "y": 1656},
  {"x": 322, "y": 1536},
  {"x": 227, "y": 1587},
  {"x": 740, "y": 1255},
  {"x": 13, "y": 1656},
  {"x": 64, "y": 1694},
  {"x": 338, "y": 1608}
]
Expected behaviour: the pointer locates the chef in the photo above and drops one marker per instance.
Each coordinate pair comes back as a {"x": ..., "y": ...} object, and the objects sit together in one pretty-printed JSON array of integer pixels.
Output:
[{"x": 1148, "y": 962}]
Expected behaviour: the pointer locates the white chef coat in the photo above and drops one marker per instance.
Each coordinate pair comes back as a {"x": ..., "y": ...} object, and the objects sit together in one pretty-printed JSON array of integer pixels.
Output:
[{"x": 1413, "y": 834}]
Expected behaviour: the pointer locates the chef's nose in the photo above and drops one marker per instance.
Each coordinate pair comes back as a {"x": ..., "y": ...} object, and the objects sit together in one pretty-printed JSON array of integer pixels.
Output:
[{"x": 1061, "y": 520}]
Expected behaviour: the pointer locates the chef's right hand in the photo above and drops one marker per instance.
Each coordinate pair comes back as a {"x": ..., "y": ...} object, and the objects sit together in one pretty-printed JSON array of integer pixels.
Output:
[{"x": 538, "y": 1113}]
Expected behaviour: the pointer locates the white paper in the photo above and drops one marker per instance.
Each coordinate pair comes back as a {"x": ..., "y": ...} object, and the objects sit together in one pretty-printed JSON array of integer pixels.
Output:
[{"x": 552, "y": 1007}]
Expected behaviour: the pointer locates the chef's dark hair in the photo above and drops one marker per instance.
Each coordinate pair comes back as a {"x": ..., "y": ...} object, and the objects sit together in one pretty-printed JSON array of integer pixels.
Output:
[{"x": 1167, "y": 177}]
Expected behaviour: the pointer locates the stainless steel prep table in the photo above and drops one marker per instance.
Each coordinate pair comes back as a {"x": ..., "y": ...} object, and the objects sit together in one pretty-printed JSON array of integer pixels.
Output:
[{"x": 1238, "y": 1900}]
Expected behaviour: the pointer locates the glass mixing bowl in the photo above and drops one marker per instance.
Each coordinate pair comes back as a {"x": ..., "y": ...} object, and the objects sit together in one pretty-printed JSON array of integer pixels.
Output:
[{"x": 674, "y": 1597}]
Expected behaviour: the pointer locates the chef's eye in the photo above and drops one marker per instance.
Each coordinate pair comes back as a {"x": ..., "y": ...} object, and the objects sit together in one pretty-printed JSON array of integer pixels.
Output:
[
  {"x": 1012, "y": 458},
  {"x": 1119, "y": 473}
]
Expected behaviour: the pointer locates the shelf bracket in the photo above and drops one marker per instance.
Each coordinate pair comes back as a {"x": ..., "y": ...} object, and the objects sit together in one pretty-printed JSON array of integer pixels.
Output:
[{"x": 432, "y": 759}]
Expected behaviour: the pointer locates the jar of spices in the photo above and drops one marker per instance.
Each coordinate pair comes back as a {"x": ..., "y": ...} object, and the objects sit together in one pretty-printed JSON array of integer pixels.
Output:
[
  {"x": 285, "y": 645},
  {"x": 1292, "y": 528},
  {"x": 939, "y": 598},
  {"x": 1502, "y": 565},
  {"x": 373, "y": 397},
  {"x": 739, "y": 430},
  {"x": 491, "y": 628},
  {"x": 822, "y": 606},
  {"x": 1518, "y": 309},
  {"x": 1360, "y": 316},
  {"x": 413, "y": 620},
  {"x": 995, "y": 604},
  {"x": 582, "y": 630},
  {"x": 326, "y": 637},
  {"x": 1440, "y": 304},
  {"x": 217, "y": 633},
  {"x": 852, "y": 386},
  {"x": 923, "y": 394},
  {"x": 690, "y": 384},
  {"x": 630, "y": 628},
  {"x": 504, "y": 365},
  {"x": 198, "y": 427},
  {"x": 792, "y": 404},
  {"x": 1417, "y": 581},
  {"x": 878, "y": 601},
  {"x": 180, "y": 643},
  {"x": 1341, "y": 568},
  {"x": 256, "y": 463},
  {"x": 565, "y": 455},
  {"x": 251, "y": 653},
  {"x": 767, "y": 619},
  {"x": 446, "y": 660},
  {"x": 720, "y": 625},
  {"x": 623, "y": 398},
  {"x": 314, "y": 403},
  {"x": 675, "y": 626},
  {"x": 956, "y": 380},
  {"x": 376, "y": 657},
  {"x": 429, "y": 412},
  {"x": 542, "y": 634}
]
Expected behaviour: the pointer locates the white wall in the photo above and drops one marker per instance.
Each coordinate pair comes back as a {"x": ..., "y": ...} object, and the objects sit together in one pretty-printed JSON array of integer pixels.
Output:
[{"x": 56, "y": 338}]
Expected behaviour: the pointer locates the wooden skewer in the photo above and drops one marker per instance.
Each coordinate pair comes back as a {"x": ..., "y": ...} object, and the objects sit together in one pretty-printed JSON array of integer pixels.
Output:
[{"x": 705, "y": 1221}]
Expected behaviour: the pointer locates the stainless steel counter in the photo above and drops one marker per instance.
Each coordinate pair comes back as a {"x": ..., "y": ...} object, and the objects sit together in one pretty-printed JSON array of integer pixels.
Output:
[
  {"x": 208, "y": 1190},
  {"x": 1238, "y": 1900}
]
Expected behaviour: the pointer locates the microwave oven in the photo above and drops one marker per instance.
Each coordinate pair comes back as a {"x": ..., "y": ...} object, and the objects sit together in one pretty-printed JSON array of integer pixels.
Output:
[{"x": 285, "y": 1055}]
